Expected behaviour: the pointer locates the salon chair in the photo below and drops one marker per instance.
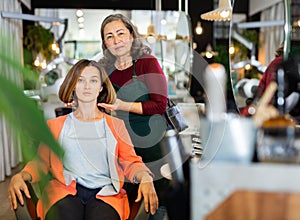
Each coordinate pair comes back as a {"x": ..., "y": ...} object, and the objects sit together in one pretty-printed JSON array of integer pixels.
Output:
[
  {"x": 177, "y": 196},
  {"x": 62, "y": 111},
  {"x": 28, "y": 210}
]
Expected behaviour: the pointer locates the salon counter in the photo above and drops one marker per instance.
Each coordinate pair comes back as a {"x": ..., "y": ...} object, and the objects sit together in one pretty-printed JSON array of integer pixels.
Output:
[{"x": 244, "y": 191}]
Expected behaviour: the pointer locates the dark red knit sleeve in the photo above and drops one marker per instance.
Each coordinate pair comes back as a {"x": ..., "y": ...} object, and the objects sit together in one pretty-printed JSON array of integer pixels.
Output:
[
  {"x": 155, "y": 79},
  {"x": 270, "y": 73}
]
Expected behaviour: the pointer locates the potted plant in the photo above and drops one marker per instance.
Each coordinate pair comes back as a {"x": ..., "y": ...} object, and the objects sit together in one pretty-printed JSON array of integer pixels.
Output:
[{"x": 38, "y": 40}]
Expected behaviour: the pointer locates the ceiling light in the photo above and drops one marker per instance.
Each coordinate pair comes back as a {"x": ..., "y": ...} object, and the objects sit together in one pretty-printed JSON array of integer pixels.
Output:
[
  {"x": 43, "y": 64},
  {"x": 248, "y": 66},
  {"x": 79, "y": 13},
  {"x": 151, "y": 39},
  {"x": 163, "y": 22},
  {"x": 36, "y": 61},
  {"x": 198, "y": 28},
  {"x": 222, "y": 13},
  {"x": 231, "y": 49},
  {"x": 209, "y": 53},
  {"x": 151, "y": 33},
  {"x": 80, "y": 19},
  {"x": 195, "y": 45},
  {"x": 151, "y": 29},
  {"x": 81, "y": 25}
]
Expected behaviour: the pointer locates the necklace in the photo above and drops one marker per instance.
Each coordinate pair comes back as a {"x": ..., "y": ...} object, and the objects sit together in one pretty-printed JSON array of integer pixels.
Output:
[{"x": 123, "y": 65}]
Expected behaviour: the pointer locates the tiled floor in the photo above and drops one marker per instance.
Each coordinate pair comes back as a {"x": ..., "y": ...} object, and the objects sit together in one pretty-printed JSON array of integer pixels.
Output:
[{"x": 5, "y": 212}]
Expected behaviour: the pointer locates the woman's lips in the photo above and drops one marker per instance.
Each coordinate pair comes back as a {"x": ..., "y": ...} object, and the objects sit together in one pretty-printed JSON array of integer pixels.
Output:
[
  {"x": 87, "y": 93},
  {"x": 119, "y": 48}
]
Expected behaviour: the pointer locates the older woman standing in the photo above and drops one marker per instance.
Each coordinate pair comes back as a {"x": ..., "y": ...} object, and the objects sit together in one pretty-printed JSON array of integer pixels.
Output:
[{"x": 141, "y": 93}]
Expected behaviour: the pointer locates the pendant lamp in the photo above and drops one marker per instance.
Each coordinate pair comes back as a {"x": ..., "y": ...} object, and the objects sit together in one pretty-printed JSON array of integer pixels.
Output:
[
  {"x": 198, "y": 28},
  {"x": 209, "y": 53},
  {"x": 222, "y": 13}
]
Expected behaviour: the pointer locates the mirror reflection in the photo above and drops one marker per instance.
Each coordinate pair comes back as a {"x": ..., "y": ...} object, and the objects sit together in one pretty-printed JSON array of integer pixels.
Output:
[
  {"x": 167, "y": 33},
  {"x": 254, "y": 40}
]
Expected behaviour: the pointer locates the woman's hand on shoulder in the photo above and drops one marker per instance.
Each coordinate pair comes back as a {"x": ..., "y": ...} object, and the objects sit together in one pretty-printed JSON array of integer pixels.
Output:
[
  {"x": 70, "y": 104},
  {"x": 147, "y": 191},
  {"x": 112, "y": 107},
  {"x": 135, "y": 107},
  {"x": 16, "y": 187}
]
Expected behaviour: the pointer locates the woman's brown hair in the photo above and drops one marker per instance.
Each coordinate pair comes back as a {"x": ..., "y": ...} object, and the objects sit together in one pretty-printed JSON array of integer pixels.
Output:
[{"x": 67, "y": 89}]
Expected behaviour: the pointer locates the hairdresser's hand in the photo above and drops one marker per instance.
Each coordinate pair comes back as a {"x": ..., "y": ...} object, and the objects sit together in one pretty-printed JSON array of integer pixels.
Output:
[
  {"x": 265, "y": 111},
  {"x": 134, "y": 107},
  {"x": 16, "y": 187},
  {"x": 69, "y": 105},
  {"x": 112, "y": 107},
  {"x": 147, "y": 191}
]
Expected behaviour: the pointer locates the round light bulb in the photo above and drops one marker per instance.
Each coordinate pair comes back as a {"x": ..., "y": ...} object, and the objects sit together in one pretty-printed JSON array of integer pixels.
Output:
[
  {"x": 248, "y": 66},
  {"x": 80, "y": 19},
  {"x": 36, "y": 62},
  {"x": 199, "y": 29},
  {"x": 224, "y": 14},
  {"x": 151, "y": 39},
  {"x": 44, "y": 64},
  {"x": 208, "y": 54},
  {"x": 79, "y": 13},
  {"x": 231, "y": 50}
]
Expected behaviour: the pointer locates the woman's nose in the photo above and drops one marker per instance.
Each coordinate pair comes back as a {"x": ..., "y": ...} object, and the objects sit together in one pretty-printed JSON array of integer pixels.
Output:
[
  {"x": 117, "y": 39},
  {"x": 86, "y": 85}
]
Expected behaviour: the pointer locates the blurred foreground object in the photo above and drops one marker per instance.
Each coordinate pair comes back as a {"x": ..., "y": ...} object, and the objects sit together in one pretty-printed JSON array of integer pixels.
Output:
[
  {"x": 215, "y": 81},
  {"x": 278, "y": 138}
]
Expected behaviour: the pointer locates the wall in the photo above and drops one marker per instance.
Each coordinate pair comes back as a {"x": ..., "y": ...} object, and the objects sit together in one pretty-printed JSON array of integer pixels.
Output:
[{"x": 256, "y": 6}]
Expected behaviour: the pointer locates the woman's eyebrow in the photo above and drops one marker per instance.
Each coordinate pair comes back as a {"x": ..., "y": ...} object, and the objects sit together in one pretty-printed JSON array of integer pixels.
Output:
[{"x": 118, "y": 30}]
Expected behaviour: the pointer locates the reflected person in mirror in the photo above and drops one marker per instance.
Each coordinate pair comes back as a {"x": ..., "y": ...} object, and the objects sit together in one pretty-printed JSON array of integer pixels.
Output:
[
  {"x": 264, "y": 110},
  {"x": 270, "y": 75},
  {"x": 86, "y": 182}
]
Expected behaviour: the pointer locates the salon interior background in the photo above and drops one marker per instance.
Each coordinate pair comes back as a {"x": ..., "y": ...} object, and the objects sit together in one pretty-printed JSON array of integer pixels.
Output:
[{"x": 195, "y": 9}]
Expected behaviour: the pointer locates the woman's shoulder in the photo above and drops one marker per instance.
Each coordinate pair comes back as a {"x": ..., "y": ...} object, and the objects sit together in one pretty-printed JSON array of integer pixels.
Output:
[
  {"x": 110, "y": 119},
  {"x": 273, "y": 66},
  {"x": 148, "y": 61},
  {"x": 57, "y": 120},
  {"x": 147, "y": 57},
  {"x": 116, "y": 125}
]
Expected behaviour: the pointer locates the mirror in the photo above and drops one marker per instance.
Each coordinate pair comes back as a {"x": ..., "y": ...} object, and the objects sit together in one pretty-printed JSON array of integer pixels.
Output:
[
  {"x": 167, "y": 33},
  {"x": 292, "y": 46},
  {"x": 253, "y": 41}
]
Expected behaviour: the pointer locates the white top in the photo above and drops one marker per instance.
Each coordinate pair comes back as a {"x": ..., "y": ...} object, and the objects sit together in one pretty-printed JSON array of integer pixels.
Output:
[{"x": 85, "y": 152}]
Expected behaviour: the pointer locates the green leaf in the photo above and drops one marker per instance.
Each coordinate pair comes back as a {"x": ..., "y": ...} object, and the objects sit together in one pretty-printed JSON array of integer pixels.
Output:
[
  {"x": 24, "y": 115},
  {"x": 22, "y": 112}
]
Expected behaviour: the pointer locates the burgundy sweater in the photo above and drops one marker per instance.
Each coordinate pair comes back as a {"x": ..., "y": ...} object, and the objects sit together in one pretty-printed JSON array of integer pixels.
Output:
[
  {"x": 268, "y": 76},
  {"x": 270, "y": 73},
  {"x": 148, "y": 71}
]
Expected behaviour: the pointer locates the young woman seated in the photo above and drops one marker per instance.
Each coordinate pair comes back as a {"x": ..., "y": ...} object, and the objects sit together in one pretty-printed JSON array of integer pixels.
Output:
[{"x": 86, "y": 181}]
